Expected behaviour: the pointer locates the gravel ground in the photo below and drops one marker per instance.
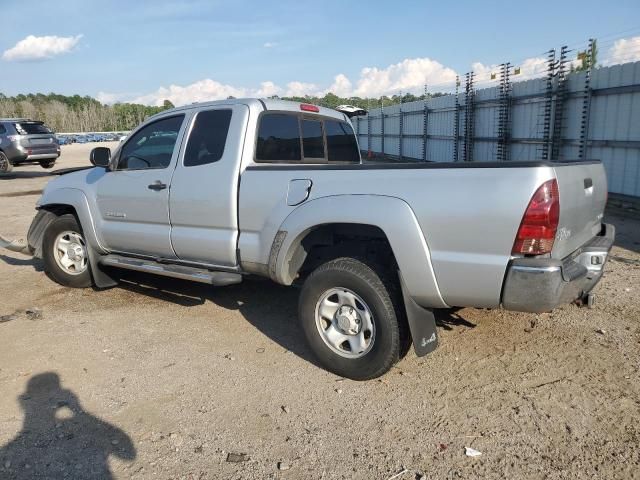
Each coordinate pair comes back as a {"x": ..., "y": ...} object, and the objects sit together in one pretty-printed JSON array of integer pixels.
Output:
[{"x": 167, "y": 379}]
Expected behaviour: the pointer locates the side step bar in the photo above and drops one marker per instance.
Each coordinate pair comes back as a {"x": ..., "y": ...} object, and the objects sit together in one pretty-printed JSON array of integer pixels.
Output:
[{"x": 219, "y": 279}]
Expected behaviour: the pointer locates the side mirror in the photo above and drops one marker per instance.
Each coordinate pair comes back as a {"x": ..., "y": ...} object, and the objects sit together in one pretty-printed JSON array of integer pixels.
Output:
[{"x": 100, "y": 156}]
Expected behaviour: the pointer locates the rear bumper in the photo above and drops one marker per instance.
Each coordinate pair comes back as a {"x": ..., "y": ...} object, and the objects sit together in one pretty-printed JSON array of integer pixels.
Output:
[
  {"x": 542, "y": 284},
  {"x": 18, "y": 154}
]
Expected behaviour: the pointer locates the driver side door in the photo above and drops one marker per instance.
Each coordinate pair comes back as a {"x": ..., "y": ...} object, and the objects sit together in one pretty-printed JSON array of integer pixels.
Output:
[{"x": 133, "y": 198}]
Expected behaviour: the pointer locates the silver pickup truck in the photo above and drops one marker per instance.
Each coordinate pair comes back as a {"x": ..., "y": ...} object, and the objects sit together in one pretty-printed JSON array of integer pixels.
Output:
[{"x": 215, "y": 191}]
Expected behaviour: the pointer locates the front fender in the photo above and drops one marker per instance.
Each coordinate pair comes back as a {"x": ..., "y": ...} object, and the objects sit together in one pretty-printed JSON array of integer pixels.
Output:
[
  {"x": 392, "y": 215},
  {"x": 75, "y": 198}
]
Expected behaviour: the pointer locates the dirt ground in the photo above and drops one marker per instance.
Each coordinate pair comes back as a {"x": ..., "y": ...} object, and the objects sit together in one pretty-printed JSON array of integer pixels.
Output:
[{"x": 166, "y": 379}]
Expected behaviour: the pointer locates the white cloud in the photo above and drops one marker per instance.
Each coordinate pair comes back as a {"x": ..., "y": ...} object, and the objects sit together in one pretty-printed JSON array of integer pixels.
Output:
[
  {"x": 268, "y": 89},
  {"x": 409, "y": 75},
  {"x": 270, "y": 44},
  {"x": 529, "y": 68},
  {"x": 300, "y": 89},
  {"x": 624, "y": 50},
  {"x": 201, "y": 91},
  {"x": 40, "y": 48},
  {"x": 341, "y": 86},
  {"x": 109, "y": 98}
]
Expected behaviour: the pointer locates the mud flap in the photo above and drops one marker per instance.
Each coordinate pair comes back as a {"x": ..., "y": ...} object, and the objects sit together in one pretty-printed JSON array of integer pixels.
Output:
[{"x": 422, "y": 324}]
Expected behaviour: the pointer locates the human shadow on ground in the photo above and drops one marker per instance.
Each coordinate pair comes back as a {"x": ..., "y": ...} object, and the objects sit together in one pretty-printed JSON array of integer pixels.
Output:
[{"x": 59, "y": 439}]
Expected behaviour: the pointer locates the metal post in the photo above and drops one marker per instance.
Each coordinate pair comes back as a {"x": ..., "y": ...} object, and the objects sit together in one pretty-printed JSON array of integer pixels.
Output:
[
  {"x": 401, "y": 130},
  {"x": 425, "y": 118},
  {"x": 548, "y": 105},
  {"x": 561, "y": 95},
  {"x": 382, "y": 127},
  {"x": 469, "y": 125},
  {"x": 504, "y": 113},
  {"x": 586, "y": 102},
  {"x": 456, "y": 125},
  {"x": 368, "y": 129}
]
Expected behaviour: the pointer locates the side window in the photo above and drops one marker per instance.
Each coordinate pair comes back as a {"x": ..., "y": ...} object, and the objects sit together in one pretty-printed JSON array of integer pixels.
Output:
[
  {"x": 208, "y": 137},
  {"x": 312, "y": 141},
  {"x": 341, "y": 142},
  {"x": 278, "y": 138},
  {"x": 151, "y": 147}
]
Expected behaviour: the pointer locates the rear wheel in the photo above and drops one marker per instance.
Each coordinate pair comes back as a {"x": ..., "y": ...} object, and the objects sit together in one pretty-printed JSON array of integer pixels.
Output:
[
  {"x": 351, "y": 319},
  {"x": 47, "y": 163},
  {"x": 65, "y": 253},
  {"x": 5, "y": 164}
]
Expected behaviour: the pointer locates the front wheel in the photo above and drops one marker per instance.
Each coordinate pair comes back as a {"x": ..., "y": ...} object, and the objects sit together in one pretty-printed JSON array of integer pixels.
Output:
[
  {"x": 65, "y": 253},
  {"x": 5, "y": 164},
  {"x": 351, "y": 319}
]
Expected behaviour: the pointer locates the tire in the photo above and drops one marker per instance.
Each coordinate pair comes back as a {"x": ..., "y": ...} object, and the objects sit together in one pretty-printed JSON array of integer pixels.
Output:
[
  {"x": 5, "y": 164},
  {"x": 352, "y": 280},
  {"x": 62, "y": 234},
  {"x": 47, "y": 163}
]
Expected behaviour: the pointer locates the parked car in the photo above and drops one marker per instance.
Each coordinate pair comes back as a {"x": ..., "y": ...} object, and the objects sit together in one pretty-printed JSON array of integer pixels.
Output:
[
  {"x": 351, "y": 111},
  {"x": 63, "y": 139},
  {"x": 82, "y": 139},
  {"x": 277, "y": 189},
  {"x": 25, "y": 141}
]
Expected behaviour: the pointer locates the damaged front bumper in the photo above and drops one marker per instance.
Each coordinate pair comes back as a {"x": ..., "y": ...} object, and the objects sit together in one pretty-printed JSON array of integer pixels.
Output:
[{"x": 541, "y": 284}]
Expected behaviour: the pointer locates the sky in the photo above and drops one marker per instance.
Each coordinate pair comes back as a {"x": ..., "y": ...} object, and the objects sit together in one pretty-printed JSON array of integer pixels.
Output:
[{"x": 196, "y": 50}]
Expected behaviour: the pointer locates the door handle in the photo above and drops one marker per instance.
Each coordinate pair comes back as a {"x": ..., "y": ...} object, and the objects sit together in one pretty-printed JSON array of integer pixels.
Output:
[{"x": 157, "y": 186}]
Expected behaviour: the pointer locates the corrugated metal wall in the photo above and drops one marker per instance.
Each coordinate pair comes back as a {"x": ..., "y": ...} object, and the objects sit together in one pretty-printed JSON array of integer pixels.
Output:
[{"x": 612, "y": 115}]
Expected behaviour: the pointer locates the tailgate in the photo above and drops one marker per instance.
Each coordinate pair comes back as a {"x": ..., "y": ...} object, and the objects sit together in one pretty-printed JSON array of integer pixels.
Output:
[{"x": 583, "y": 195}]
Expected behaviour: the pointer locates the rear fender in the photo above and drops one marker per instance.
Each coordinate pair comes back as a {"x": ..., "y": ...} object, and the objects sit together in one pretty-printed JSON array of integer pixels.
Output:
[{"x": 392, "y": 215}]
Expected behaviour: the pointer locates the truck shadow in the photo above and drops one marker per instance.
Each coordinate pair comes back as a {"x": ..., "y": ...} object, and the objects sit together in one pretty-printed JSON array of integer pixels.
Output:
[
  {"x": 627, "y": 232},
  {"x": 59, "y": 439},
  {"x": 269, "y": 307},
  {"x": 36, "y": 263},
  {"x": 13, "y": 175}
]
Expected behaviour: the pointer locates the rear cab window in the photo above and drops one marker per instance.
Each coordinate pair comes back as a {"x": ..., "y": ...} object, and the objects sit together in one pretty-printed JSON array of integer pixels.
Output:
[
  {"x": 292, "y": 137},
  {"x": 32, "y": 128},
  {"x": 208, "y": 137},
  {"x": 278, "y": 138}
]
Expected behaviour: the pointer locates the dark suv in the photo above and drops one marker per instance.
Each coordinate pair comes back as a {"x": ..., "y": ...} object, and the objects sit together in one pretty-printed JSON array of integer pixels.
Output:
[{"x": 26, "y": 141}]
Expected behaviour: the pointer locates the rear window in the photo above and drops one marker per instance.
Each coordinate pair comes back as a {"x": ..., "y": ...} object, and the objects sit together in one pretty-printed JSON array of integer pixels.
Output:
[
  {"x": 312, "y": 141},
  {"x": 208, "y": 138},
  {"x": 341, "y": 142},
  {"x": 278, "y": 138},
  {"x": 31, "y": 128}
]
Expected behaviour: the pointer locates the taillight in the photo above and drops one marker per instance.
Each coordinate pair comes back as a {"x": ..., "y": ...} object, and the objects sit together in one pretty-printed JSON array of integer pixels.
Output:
[
  {"x": 540, "y": 222},
  {"x": 307, "y": 107}
]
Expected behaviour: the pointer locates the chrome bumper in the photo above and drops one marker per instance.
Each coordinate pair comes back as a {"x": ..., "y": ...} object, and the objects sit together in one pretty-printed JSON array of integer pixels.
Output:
[{"x": 541, "y": 284}]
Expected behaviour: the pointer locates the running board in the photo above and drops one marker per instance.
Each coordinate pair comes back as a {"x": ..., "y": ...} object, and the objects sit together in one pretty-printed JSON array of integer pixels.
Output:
[{"x": 219, "y": 279}]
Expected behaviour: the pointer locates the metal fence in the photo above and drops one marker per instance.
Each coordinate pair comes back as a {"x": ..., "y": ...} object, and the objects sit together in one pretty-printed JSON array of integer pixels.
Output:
[{"x": 592, "y": 114}]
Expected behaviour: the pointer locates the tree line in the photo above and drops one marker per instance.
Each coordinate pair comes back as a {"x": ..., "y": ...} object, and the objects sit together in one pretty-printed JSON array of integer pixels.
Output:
[{"x": 75, "y": 113}]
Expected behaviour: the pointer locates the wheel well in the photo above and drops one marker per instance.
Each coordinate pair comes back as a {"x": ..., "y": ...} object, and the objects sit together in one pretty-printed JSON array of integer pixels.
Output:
[
  {"x": 327, "y": 242},
  {"x": 61, "y": 209}
]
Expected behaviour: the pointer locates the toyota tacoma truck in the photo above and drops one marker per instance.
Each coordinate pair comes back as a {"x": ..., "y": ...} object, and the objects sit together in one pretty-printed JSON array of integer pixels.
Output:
[{"x": 216, "y": 191}]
